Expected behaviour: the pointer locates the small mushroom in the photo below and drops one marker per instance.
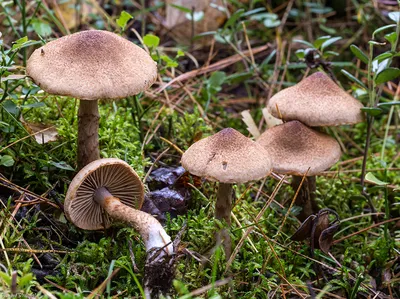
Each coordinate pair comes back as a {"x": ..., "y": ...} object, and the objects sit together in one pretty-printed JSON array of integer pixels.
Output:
[
  {"x": 297, "y": 149},
  {"x": 108, "y": 189},
  {"x": 91, "y": 65},
  {"x": 227, "y": 157},
  {"x": 316, "y": 101}
]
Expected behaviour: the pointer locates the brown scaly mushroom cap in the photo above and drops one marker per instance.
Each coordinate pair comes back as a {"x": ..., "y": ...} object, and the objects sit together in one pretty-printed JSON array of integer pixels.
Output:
[
  {"x": 120, "y": 180},
  {"x": 316, "y": 101},
  {"x": 92, "y": 65},
  {"x": 227, "y": 157},
  {"x": 294, "y": 147}
]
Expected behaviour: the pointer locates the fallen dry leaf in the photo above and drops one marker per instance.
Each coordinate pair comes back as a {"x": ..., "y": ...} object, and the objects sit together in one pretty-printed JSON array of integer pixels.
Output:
[
  {"x": 180, "y": 25},
  {"x": 47, "y": 133}
]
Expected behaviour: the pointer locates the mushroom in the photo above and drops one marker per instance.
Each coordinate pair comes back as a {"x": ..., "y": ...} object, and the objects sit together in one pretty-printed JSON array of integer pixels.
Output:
[
  {"x": 227, "y": 157},
  {"x": 91, "y": 65},
  {"x": 108, "y": 189},
  {"x": 299, "y": 150},
  {"x": 317, "y": 102}
]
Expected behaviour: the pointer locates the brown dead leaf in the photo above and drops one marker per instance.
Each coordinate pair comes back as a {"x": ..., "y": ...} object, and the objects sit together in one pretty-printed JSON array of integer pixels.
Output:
[
  {"x": 42, "y": 133},
  {"x": 319, "y": 229},
  {"x": 67, "y": 13},
  {"x": 180, "y": 26}
]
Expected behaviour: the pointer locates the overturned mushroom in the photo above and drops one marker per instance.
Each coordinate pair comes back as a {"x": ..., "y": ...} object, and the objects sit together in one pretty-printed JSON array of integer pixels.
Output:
[
  {"x": 91, "y": 65},
  {"x": 229, "y": 158},
  {"x": 110, "y": 189}
]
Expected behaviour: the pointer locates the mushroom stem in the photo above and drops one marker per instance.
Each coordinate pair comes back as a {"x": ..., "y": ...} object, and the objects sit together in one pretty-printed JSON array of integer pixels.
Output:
[
  {"x": 306, "y": 196},
  {"x": 223, "y": 208},
  {"x": 150, "y": 229},
  {"x": 88, "y": 135},
  {"x": 223, "y": 205}
]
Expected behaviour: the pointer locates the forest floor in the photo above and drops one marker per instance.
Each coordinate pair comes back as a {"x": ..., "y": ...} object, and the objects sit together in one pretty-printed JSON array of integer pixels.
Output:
[{"x": 214, "y": 62}]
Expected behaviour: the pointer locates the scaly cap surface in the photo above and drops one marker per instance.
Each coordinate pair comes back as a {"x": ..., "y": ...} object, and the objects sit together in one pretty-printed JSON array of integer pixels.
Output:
[
  {"x": 227, "y": 157},
  {"x": 316, "y": 101},
  {"x": 294, "y": 147},
  {"x": 92, "y": 65}
]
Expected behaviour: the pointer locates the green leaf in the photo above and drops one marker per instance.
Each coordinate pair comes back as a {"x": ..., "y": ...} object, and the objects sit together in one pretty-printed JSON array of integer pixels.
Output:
[
  {"x": 270, "y": 23},
  {"x": 388, "y": 104},
  {"x": 320, "y": 40},
  {"x": 383, "y": 56},
  {"x": 11, "y": 107},
  {"x": 25, "y": 280},
  {"x": 181, "y": 8},
  {"x": 359, "y": 53},
  {"x": 151, "y": 40},
  {"x": 330, "y": 53},
  {"x": 394, "y": 16},
  {"x": 383, "y": 28},
  {"x": 263, "y": 16},
  {"x": 42, "y": 28},
  {"x": 354, "y": 79},
  {"x": 234, "y": 18},
  {"x": 373, "y": 111},
  {"x": 300, "y": 53},
  {"x": 124, "y": 19},
  {"x": 254, "y": 11},
  {"x": 20, "y": 42},
  {"x": 6, "y": 161},
  {"x": 369, "y": 177},
  {"x": 239, "y": 77},
  {"x": 5, "y": 277},
  {"x": 388, "y": 74},
  {"x": 327, "y": 29},
  {"x": 169, "y": 61},
  {"x": 34, "y": 105},
  {"x": 329, "y": 42},
  {"x": 304, "y": 43},
  {"x": 217, "y": 79},
  {"x": 62, "y": 165},
  {"x": 391, "y": 37}
]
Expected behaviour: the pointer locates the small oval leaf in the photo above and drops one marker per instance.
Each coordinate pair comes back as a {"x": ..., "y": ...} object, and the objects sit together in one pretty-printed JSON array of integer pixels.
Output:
[
  {"x": 388, "y": 74},
  {"x": 373, "y": 111},
  {"x": 359, "y": 53},
  {"x": 354, "y": 79},
  {"x": 370, "y": 177}
]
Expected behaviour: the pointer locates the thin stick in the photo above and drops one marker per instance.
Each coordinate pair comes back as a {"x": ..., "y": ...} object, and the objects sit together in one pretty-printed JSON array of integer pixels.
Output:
[{"x": 364, "y": 230}]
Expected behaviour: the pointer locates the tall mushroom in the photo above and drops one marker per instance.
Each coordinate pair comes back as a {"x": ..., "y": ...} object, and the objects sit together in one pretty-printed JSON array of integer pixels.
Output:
[
  {"x": 227, "y": 157},
  {"x": 297, "y": 149},
  {"x": 108, "y": 189},
  {"x": 316, "y": 101},
  {"x": 91, "y": 65}
]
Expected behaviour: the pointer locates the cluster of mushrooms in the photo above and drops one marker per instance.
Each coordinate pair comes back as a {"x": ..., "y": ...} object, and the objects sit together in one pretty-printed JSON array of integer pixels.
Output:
[
  {"x": 292, "y": 148},
  {"x": 94, "y": 65}
]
